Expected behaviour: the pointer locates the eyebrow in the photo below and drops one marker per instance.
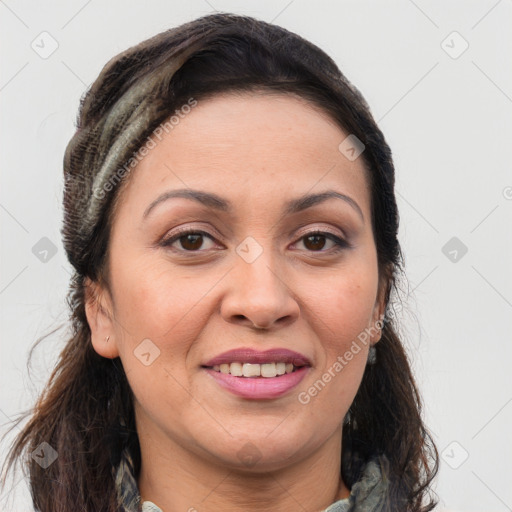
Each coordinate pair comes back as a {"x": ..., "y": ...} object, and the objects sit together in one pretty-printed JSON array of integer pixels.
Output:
[{"x": 216, "y": 202}]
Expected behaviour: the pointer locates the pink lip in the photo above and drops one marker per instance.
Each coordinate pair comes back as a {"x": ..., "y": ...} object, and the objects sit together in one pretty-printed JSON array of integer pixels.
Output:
[
  {"x": 249, "y": 355},
  {"x": 259, "y": 388}
]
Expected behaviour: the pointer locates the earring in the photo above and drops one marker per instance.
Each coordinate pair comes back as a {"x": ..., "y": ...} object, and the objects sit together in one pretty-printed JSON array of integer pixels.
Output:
[
  {"x": 107, "y": 338},
  {"x": 372, "y": 355}
]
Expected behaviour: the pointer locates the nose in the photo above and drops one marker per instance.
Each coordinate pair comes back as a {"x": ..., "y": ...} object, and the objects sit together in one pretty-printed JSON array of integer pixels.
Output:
[{"x": 259, "y": 296}]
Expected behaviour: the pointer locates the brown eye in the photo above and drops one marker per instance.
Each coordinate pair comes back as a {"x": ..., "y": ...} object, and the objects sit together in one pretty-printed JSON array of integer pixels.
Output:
[
  {"x": 316, "y": 241},
  {"x": 190, "y": 240}
]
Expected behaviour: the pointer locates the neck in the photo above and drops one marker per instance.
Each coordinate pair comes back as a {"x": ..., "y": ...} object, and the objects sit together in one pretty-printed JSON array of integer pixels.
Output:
[{"x": 176, "y": 479}]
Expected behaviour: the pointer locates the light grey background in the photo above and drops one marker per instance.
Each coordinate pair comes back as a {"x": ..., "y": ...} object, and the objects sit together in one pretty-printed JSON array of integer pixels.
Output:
[{"x": 448, "y": 120}]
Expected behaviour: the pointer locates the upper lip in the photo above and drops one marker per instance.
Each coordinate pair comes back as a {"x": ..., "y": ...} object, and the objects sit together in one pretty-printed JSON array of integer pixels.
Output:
[{"x": 249, "y": 355}]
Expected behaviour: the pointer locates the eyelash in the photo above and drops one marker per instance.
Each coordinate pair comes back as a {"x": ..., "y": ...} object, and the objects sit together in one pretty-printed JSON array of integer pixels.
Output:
[{"x": 340, "y": 244}]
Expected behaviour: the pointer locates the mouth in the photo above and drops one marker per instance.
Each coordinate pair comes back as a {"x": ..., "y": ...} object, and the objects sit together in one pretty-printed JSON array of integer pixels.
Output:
[
  {"x": 255, "y": 370},
  {"x": 256, "y": 375}
]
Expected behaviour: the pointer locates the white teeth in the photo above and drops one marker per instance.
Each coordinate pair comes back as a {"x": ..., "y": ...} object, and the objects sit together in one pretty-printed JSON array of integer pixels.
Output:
[
  {"x": 236, "y": 369},
  {"x": 251, "y": 370},
  {"x": 267, "y": 370}
]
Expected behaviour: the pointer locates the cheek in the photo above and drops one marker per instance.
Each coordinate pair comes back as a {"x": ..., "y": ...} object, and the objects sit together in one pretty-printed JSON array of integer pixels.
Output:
[
  {"x": 343, "y": 308},
  {"x": 346, "y": 301},
  {"x": 152, "y": 302},
  {"x": 155, "y": 304},
  {"x": 170, "y": 308}
]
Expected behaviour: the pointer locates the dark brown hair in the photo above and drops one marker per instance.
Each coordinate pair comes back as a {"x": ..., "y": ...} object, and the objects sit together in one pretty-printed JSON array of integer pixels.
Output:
[{"x": 86, "y": 413}]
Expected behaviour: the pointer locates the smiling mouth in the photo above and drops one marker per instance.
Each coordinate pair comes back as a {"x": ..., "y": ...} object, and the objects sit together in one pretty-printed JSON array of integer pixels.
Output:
[{"x": 254, "y": 370}]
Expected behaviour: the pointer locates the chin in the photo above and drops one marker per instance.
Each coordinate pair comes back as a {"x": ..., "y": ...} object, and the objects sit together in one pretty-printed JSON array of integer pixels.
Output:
[{"x": 257, "y": 454}]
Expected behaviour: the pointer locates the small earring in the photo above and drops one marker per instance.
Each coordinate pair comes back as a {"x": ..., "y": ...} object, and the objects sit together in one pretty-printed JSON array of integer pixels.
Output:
[
  {"x": 107, "y": 338},
  {"x": 372, "y": 355}
]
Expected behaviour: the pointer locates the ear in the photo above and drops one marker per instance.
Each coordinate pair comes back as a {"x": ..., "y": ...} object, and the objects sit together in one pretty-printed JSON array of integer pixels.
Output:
[
  {"x": 379, "y": 308},
  {"x": 98, "y": 310}
]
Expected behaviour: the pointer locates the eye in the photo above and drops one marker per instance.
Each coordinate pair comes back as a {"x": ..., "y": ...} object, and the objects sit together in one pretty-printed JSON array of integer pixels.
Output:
[
  {"x": 190, "y": 240},
  {"x": 315, "y": 241}
]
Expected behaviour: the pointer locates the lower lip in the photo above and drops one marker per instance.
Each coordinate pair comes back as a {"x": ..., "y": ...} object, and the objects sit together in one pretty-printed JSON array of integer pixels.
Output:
[{"x": 259, "y": 388}]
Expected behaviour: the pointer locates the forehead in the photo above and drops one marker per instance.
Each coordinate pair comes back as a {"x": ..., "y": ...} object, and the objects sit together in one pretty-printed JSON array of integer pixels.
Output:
[{"x": 248, "y": 142}]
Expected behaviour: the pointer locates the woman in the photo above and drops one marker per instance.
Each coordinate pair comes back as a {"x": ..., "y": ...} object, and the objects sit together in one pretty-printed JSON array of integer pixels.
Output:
[{"x": 230, "y": 216}]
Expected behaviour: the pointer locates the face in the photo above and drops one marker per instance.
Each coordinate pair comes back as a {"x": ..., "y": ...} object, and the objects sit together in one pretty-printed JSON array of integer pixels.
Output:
[{"x": 249, "y": 266}]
